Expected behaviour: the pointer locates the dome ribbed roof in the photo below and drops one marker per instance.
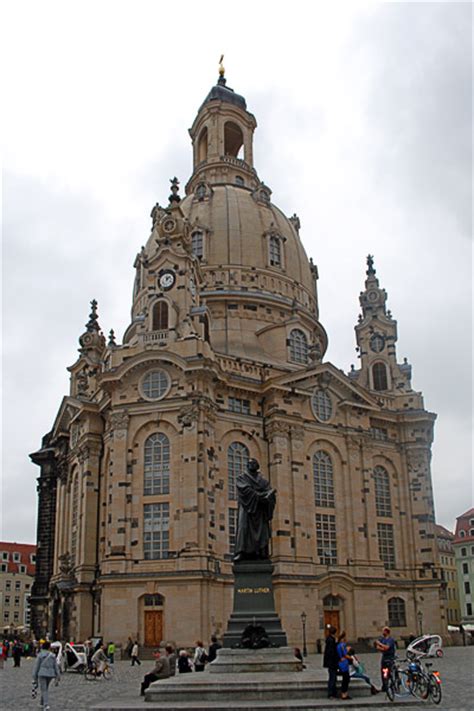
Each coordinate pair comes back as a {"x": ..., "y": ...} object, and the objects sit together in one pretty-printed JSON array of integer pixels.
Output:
[
  {"x": 221, "y": 92},
  {"x": 238, "y": 225}
]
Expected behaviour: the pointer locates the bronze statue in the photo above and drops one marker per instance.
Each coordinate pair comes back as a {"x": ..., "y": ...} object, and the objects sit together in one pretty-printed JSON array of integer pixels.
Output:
[{"x": 256, "y": 505}]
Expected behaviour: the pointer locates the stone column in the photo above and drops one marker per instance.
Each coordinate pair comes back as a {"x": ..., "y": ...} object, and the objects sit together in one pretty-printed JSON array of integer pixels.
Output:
[{"x": 46, "y": 488}]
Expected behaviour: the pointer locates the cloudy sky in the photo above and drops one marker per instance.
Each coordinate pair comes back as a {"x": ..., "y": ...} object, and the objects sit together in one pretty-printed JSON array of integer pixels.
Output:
[{"x": 364, "y": 116}]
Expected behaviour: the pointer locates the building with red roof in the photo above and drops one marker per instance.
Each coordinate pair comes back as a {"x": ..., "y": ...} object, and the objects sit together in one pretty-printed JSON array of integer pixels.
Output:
[
  {"x": 464, "y": 551},
  {"x": 17, "y": 572},
  {"x": 448, "y": 570}
]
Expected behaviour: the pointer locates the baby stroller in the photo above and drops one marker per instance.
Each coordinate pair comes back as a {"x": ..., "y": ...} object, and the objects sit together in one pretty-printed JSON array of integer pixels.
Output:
[{"x": 429, "y": 645}]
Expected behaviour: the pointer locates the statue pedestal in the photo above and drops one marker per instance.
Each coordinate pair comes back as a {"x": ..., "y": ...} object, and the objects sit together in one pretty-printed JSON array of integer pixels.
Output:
[{"x": 254, "y": 604}]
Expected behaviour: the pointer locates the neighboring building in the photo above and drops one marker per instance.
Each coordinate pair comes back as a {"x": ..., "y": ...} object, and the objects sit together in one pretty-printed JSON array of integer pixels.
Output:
[
  {"x": 17, "y": 573},
  {"x": 464, "y": 551},
  {"x": 447, "y": 564},
  {"x": 222, "y": 361}
]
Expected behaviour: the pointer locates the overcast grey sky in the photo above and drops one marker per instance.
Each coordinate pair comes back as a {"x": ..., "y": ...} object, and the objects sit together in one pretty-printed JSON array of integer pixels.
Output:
[{"x": 364, "y": 125}]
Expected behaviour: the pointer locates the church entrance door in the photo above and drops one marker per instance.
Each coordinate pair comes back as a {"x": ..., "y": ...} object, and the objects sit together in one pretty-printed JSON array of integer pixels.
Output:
[
  {"x": 331, "y": 617},
  {"x": 153, "y": 628}
]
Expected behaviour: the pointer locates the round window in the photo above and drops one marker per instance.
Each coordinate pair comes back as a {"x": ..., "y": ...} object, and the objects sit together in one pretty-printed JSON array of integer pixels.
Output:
[
  {"x": 322, "y": 405},
  {"x": 155, "y": 384}
]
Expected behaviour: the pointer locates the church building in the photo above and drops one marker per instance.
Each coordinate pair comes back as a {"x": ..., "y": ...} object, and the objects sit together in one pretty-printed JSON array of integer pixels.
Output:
[{"x": 223, "y": 360}]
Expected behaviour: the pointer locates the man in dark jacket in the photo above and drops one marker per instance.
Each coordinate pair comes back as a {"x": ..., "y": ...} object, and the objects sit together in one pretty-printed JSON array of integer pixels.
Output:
[
  {"x": 213, "y": 647},
  {"x": 331, "y": 661}
]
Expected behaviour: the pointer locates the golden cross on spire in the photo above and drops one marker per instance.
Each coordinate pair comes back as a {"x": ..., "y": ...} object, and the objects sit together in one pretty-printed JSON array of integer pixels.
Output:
[{"x": 221, "y": 66}]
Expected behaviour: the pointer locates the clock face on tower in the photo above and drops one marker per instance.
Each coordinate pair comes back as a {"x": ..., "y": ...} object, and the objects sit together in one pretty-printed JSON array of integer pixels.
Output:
[{"x": 167, "y": 279}]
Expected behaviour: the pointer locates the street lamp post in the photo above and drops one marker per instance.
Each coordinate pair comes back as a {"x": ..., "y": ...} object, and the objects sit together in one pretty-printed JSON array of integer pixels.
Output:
[
  {"x": 420, "y": 621},
  {"x": 303, "y": 622}
]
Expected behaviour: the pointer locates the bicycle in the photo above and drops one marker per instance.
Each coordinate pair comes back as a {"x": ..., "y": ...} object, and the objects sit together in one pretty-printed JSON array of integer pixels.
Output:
[
  {"x": 395, "y": 680},
  {"x": 433, "y": 690},
  {"x": 416, "y": 678},
  {"x": 92, "y": 673}
]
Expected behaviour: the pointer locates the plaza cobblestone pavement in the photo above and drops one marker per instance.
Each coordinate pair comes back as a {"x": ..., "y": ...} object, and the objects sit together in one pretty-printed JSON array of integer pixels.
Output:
[{"x": 74, "y": 692}]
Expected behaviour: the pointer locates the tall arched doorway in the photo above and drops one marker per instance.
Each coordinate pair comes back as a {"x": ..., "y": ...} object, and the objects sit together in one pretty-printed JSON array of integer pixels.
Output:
[
  {"x": 332, "y": 608},
  {"x": 153, "y": 619}
]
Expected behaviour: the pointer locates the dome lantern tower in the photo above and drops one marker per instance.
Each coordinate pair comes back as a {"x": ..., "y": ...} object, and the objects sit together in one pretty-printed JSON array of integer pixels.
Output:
[{"x": 222, "y": 138}]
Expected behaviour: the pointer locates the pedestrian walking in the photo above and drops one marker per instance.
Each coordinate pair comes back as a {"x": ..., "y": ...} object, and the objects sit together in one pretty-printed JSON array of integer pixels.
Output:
[
  {"x": 134, "y": 654},
  {"x": 344, "y": 660},
  {"x": 331, "y": 661},
  {"x": 129, "y": 647},
  {"x": 387, "y": 645},
  {"x": 16, "y": 653},
  {"x": 45, "y": 670},
  {"x": 111, "y": 652}
]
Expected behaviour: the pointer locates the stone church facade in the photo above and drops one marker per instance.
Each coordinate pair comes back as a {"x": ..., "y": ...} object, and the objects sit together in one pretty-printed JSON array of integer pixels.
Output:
[{"x": 224, "y": 360}]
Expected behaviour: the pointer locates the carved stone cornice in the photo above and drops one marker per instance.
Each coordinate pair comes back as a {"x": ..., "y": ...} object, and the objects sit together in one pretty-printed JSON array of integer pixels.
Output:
[
  {"x": 277, "y": 428},
  {"x": 188, "y": 416},
  {"x": 118, "y": 423},
  {"x": 297, "y": 432},
  {"x": 83, "y": 454}
]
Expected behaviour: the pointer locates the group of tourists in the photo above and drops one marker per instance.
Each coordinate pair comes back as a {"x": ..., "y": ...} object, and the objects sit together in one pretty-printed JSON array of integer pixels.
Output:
[
  {"x": 16, "y": 649},
  {"x": 341, "y": 659},
  {"x": 170, "y": 662}
]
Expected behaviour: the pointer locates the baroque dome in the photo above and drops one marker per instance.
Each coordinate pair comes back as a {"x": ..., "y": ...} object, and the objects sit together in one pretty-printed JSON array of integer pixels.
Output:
[
  {"x": 254, "y": 278},
  {"x": 239, "y": 225}
]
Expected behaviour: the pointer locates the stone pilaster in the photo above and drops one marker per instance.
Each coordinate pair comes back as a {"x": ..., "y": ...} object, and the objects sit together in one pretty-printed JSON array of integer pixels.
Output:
[{"x": 45, "y": 458}]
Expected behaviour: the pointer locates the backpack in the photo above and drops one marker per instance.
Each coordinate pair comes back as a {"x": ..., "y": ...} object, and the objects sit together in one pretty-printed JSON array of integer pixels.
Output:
[{"x": 202, "y": 659}]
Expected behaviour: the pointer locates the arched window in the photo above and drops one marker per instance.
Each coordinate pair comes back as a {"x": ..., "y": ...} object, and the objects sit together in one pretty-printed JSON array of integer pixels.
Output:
[
  {"x": 197, "y": 244},
  {"x": 323, "y": 480},
  {"x": 298, "y": 344},
  {"x": 396, "y": 612},
  {"x": 275, "y": 251},
  {"x": 332, "y": 602},
  {"x": 157, "y": 464},
  {"x": 383, "y": 503},
  {"x": 153, "y": 600},
  {"x": 160, "y": 316},
  {"x": 202, "y": 145},
  {"x": 237, "y": 458},
  {"x": 233, "y": 139},
  {"x": 379, "y": 375}
]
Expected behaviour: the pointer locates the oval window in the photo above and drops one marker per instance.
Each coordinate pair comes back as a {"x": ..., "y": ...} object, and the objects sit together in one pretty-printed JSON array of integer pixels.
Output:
[{"x": 322, "y": 405}]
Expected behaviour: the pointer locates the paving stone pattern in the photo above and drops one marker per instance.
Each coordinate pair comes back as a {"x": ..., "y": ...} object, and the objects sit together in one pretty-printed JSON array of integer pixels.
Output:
[{"x": 74, "y": 692}]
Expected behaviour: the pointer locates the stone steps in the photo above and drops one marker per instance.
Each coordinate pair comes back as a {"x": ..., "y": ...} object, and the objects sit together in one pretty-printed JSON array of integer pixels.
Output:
[{"x": 379, "y": 701}]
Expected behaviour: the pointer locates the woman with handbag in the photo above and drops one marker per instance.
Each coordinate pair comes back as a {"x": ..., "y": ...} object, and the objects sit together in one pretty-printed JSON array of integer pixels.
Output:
[{"x": 45, "y": 670}]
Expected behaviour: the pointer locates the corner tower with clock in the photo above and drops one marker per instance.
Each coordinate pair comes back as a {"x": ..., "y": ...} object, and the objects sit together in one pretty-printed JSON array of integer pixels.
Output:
[{"x": 376, "y": 335}]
